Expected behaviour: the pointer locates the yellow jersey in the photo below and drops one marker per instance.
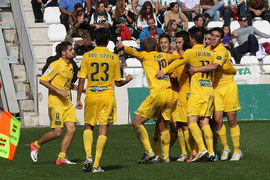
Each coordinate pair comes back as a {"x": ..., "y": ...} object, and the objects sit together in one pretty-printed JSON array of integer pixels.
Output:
[
  {"x": 101, "y": 68},
  {"x": 59, "y": 74},
  {"x": 198, "y": 56},
  {"x": 153, "y": 62},
  {"x": 225, "y": 72}
]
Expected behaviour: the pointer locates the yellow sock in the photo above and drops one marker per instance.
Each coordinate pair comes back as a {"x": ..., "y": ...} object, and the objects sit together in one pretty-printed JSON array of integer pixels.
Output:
[
  {"x": 215, "y": 141},
  {"x": 88, "y": 141},
  {"x": 223, "y": 137},
  {"x": 192, "y": 143},
  {"x": 174, "y": 137},
  {"x": 197, "y": 135},
  {"x": 156, "y": 143},
  {"x": 186, "y": 134},
  {"x": 101, "y": 142},
  {"x": 165, "y": 143},
  {"x": 208, "y": 137},
  {"x": 143, "y": 137},
  {"x": 235, "y": 133},
  {"x": 61, "y": 155},
  {"x": 182, "y": 141},
  {"x": 36, "y": 145}
]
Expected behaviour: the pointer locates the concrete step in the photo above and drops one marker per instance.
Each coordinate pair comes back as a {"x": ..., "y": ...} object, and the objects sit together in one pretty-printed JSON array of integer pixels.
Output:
[
  {"x": 10, "y": 36},
  {"x": 26, "y": 3},
  {"x": 19, "y": 73},
  {"x": 13, "y": 50},
  {"x": 42, "y": 51},
  {"x": 29, "y": 15},
  {"x": 26, "y": 105},
  {"x": 29, "y": 119},
  {"x": 7, "y": 16},
  {"x": 22, "y": 90},
  {"x": 38, "y": 33}
]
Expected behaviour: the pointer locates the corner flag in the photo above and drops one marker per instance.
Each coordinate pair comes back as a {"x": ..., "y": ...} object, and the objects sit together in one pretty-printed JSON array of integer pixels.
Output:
[{"x": 9, "y": 134}]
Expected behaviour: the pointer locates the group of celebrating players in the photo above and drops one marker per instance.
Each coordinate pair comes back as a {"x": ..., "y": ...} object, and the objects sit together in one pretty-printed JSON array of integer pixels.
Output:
[{"x": 191, "y": 88}]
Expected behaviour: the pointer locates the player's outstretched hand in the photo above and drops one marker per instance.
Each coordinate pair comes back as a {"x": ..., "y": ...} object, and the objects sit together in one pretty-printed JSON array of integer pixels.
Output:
[
  {"x": 129, "y": 78},
  {"x": 79, "y": 105},
  {"x": 159, "y": 74},
  {"x": 63, "y": 93},
  {"x": 119, "y": 45},
  {"x": 191, "y": 70}
]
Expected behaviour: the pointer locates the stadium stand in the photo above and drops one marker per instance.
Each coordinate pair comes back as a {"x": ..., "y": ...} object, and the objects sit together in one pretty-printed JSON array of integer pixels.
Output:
[
  {"x": 213, "y": 24},
  {"x": 266, "y": 60},
  {"x": 249, "y": 60}
]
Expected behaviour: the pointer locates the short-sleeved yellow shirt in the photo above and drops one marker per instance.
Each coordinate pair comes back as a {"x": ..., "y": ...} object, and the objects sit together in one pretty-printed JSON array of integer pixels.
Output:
[
  {"x": 101, "y": 68},
  {"x": 201, "y": 82},
  {"x": 59, "y": 74},
  {"x": 222, "y": 57},
  {"x": 153, "y": 62}
]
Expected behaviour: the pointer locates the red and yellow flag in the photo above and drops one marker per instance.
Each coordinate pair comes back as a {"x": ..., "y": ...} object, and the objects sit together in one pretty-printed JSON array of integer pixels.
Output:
[{"x": 10, "y": 128}]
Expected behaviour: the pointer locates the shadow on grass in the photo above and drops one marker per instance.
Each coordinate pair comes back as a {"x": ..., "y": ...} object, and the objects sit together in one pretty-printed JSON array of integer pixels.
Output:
[{"x": 109, "y": 168}]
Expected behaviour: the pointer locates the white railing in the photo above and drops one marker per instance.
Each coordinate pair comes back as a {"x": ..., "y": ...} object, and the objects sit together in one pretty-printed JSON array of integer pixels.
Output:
[{"x": 26, "y": 47}]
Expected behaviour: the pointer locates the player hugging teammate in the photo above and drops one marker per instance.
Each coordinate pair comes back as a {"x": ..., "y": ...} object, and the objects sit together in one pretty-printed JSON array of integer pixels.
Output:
[{"x": 198, "y": 100}]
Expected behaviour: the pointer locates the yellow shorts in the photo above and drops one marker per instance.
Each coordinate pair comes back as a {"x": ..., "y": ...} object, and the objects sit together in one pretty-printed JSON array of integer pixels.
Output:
[
  {"x": 183, "y": 114},
  {"x": 101, "y": 109},
  {"x": 226, "y": 98},
  {"x": 60, "y": 114},
  {"x": 157, "y": 104},
  {"x": 200, "y": 105}
]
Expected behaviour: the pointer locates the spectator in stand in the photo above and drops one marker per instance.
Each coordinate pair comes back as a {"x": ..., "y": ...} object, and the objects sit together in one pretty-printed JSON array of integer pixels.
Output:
[
  {"x": 101, "y": 18},
  {"x": 145, "y": 13},
  {"x": 211, "y": 9},
  {"x": 36, "y": 6},
  {"x": 176, "y": 15},
  {"x": 171, "y": 30},
  {"x": 246, "y": 38},
  {"x": 227, "y": 36},
  {"x": 232, "y": 8},
  {"x": 190, "y": 8},
  {"x": 150, "y": 31},
  {"x": 163, "y": 5},
  {"x": 257, "y": 8},
  {"x": 198, "y": 22},
  {"x": 94, "y": 3},
  {"x": 66, "y": 9},
  {"x": 79, "y": 27},
  {"x": 123, "y": 19},
  {"x": 137, "y": 5}
]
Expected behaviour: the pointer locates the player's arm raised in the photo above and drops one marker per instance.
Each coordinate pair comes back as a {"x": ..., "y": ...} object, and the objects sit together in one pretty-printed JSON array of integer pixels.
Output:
[{"x": 131, "y": 51}]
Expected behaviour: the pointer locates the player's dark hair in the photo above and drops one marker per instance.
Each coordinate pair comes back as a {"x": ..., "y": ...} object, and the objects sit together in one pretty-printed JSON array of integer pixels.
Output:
[
  {"x": 99, "y": 3},
  {"x": 101, "y": 36},
  {"x": 164, "y": 35},
  {"x": 149, "y": 44},
  {"x": 197, "y": 34},
  {"x": 208, "y": 32},
  {"x": 62, "y": 47},
  {"x": 219, "y": 30},
  {"x": 196, "y": 18},
  {"x": 184, "y": 34}
]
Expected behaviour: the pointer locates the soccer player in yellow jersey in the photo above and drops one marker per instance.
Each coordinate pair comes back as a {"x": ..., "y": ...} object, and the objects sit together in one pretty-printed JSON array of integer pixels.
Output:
[
  {"x": 226, "y": 94},
  {"x": 159, "y": 102},
  {"x": 200, "y": 103},
  {"x": 181, "y": 76},
  {"x": 57, "y": 79},
  {"x": 101, "y": 68}
]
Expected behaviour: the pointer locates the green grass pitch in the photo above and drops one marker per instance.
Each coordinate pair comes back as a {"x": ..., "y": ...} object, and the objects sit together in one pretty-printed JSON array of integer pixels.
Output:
[{"x": 123, "y": 150}]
